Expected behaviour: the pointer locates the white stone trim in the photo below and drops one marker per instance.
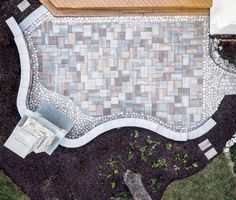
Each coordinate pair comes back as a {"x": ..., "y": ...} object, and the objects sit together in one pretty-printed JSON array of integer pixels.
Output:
[
  {"x": 23, "y": 5},
  {"x": 142, "y": 123},
  {"x": 24, "y": 63},
  {"x": 30, "y": 19}
]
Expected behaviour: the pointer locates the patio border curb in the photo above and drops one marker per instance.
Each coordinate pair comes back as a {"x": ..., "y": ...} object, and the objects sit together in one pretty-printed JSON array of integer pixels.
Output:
[
  {"x": 25, "y": 78},
  {"x": 31, "y": 18},
  {"x": 141, "y": 123}
]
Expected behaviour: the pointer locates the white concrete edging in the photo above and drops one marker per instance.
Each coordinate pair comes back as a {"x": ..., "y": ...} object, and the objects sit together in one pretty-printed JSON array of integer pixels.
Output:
[
  {"x": 17, "y": 31},
  {"x": 141, "y": 123},
  {"x": 30, "y": 19},
  {"x": 24, "y": 63}
]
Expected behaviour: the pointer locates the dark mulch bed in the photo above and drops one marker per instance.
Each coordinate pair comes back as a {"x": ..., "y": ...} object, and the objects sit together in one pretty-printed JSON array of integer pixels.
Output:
[
  {"x": 10, "y": 64},
  {"x": 83, "y": 173},
  {"x": 227, "y": 48}
]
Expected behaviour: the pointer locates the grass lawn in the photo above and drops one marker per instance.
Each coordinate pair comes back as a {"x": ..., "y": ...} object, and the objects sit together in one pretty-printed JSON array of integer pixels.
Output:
[
  {"x": 8, "y": 190},
  {"x": 214, "y": 182},
  {"x": 233, "y": 156}
]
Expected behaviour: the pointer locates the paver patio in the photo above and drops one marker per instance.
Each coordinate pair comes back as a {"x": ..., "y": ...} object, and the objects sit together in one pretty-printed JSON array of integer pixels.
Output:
[{"x": 154, "y": 68}]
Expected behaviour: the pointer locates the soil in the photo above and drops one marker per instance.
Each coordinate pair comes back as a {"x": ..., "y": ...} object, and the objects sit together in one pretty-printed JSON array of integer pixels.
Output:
[
  {"x": 82, "y": 173},
  {"x": 227, "y": 48}
]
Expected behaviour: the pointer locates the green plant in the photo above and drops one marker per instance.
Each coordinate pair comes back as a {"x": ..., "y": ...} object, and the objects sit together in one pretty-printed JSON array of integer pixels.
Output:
[
  {"x": 176, "y": 168},
  {"x": 115, "y": 172},
  {"x": 52, "y": 198},
  {"x": 130, "y": 155},
  {"x": 159, "y": 163},
  {"x": 109, "y": 175},
  {"x": 195, "y": 165},
  {"x": 142, "y": 153},
  {"x": 132, "y": 145},
  {"x": 111, "y": 162},
  {"x": 154, "y": 185},
  {"x": 169, "y": 146},
  {"x": 119, "y": 157},
  {"x": 150, "y": 141},
  {"x": 177, "y": 157},
  {"x": 123, "y": 196},
  {"x": 135, "y": 134},
  {"x": 113, "y": 184}
]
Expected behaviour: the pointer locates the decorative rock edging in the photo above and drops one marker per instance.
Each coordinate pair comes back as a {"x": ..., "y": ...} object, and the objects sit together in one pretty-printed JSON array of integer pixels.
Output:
[
  {"x": 142, "y": 123},
  {"x": 25, "y": 81},
  {"x": 230, "y": 143}
]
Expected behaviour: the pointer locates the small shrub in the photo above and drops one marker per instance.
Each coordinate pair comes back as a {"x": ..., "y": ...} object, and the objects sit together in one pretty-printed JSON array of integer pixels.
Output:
[
  {"x": 151, "y": 141},
  {"x": 135, "y": 134},
  {"x": 130, "y": 155},
  {"x": 113, "y": 184},
  {"x": 52, "y": 198},
  {"x": 123, "y": 196},
  {"x": 115, "y": 172},
  {"x": 159, "y": 163},
  {"x": 169, "y": 146},
  {"x": 110, "y": 175},
  {"x": 142, "y": 153},
  {"x": 151, "y": 149},
  {"x": 195, "y": 165},
  {"x": 177, "y": 156},
  {"x": 132, "y": 145},
  {"x": 111, "y": 162},
  {"x": 154, "y": 186},
  {"x": 176, "y": 168}
]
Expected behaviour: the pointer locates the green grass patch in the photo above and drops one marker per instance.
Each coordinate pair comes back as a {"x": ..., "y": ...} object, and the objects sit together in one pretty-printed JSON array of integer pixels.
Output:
[
  {"x": 214, "y": 182},
  {"x": 9, "y": 190},
  {"x": 233, "y": 156}
]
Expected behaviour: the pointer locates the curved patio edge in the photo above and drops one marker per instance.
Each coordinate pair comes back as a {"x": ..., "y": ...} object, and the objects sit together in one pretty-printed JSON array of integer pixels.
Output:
[
  {"x": 24, "y": 65},
  {"x": 25, "y": 78},
  {"x": 141, "y": 123}
]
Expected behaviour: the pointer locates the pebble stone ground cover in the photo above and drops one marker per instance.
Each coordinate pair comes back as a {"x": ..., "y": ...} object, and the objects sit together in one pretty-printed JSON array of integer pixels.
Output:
[{"x": 61, "y": 172}]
